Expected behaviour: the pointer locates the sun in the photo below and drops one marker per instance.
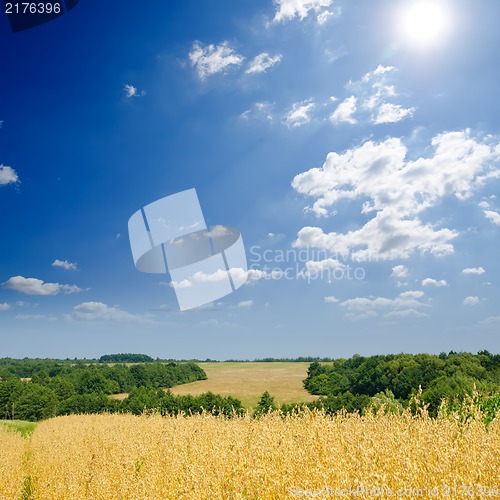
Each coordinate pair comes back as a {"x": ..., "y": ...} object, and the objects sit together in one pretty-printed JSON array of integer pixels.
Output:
[{"x": 424, "y": 22}]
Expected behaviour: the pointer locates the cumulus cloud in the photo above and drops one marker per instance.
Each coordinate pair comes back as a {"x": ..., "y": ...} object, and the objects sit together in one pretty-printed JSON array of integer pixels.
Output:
[
  {"x": 5, "y": 307},
  {"x": 238, "y": 274},
  {"x": 491, "y": 321},
  {"x": 405, "y": 305},
  {"x": 399, "y": 271},
  {"x": 201, "y": 277},
  {"x": 299, "y": 114},
  {"x": 398, "y": 191},
  {"x": 286, "y": 10},
  {"x": 417, "y": 294},
  {"x": 34, "y": 286},
  {"x": 259, "y": 111},
  {"x": 246, "y": 304},
  {"x": 218, "y": 231},
  {"x": 97, "y": 311},
  {"x": 323, "y": 17},
  {"x": 262, "y": 62},
  {"x": 254, "y": 275},
  {"x": 376, "y": 93},
  {"x": 344, "y": 111},
  {"x": 211, "y": 59},
  {"x": 406, "y": 313},
  {"x": 8, "y": 175},
  {"x": 433, "y": 282},
  {"x": 325, "y": 264},
  {"x": 473, "y": 270},
  {"x": 492, "y": 216},
  {"x": 471, "y": 301},
  {"x": 391, "y": 113},
  {"x": 131, "y": 91},
  {"x": 331, "y": 299},
  {"x": 69, "y": 266}
]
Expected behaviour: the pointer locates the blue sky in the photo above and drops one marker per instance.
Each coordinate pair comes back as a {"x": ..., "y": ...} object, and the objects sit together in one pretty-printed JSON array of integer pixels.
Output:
[{"x": 355, "y": 145}]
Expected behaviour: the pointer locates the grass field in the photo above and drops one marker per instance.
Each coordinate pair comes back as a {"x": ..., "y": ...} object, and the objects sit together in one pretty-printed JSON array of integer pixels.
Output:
[
  {"x": 22, "y": 426},
  {"x": 247, "y": 381}
]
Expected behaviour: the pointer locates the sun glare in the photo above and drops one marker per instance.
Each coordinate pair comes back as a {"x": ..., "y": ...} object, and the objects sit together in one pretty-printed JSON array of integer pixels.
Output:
[{"x": 424, "y": 22}]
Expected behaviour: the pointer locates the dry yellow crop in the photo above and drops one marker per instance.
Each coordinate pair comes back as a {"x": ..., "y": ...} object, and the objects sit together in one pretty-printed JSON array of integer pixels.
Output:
[
  {"x": 311, "y": 455},
  {"x": 12, "y": 456}
]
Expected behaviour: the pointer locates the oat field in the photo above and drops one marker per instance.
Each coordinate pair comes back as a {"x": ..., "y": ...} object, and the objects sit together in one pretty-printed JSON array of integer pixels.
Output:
[
  {"x": 13, "y": 450},
  {"x": 205, "y": 457}
]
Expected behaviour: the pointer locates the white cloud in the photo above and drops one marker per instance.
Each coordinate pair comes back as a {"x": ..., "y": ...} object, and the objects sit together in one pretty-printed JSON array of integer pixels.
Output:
[
  {"x": 69, "y": 266},
  {"x": 399, "y": 271},
  {"x": 325, "y": 264},
  {"x": 405, "y": 305},
  {"x": 398, "y": 190},
  {"x": 360, "y": 316},
  {"x": 491, "y": 321},
  {"x": 379, "y": 70},
  {"x": 471, "y": 301},
  {"x": 385, "y": 237},
  {"x": 400, "y": 302},
  {"x": 406, "y": 313},
  {"x": 34, "y": 286},
  {"x": 433, "y": 282},
  {"x": 131, "y": 91},
  {"x": 7, "y": 175},
  {"x": 210, "y": 59},
  {"x": 263, "y": 62},
  {"x": 323, "y": 269},
  {"x": 254, "y": 275},
  {"x": 375, "y": 91},
  {"x": 300, "y": 113},
  {"x": 344, "y": 111},
  {"x": 331, "y": 299},
  {"x": 323, "y": 17},
  {"x": 473, "y": 270},
  {"x": 391, "y": 113},
  {"x": 494, "y": 217},
  {"x": 5, "y": 307},
  {"x": 259, "y": 111},
  {"x": 218, "y": 231},
  {"x": 237, "y": 273},
  {"x": 417, "y": 294},
  {"x": 201, "y": 277},
  {"x": 246, "y": 304},
  {"x": 97, "y": 311},
  {"x": 289, "y": 9}
]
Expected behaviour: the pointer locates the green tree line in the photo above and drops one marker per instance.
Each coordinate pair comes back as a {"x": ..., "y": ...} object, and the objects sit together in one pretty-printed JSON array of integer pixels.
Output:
[
  {"x": 47, "y": 389},
  {"x": 354, "y": 381}
]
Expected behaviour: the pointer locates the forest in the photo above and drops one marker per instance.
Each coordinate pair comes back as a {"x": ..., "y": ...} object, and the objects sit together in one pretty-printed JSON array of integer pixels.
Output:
[
  {"x": 38, "y": 389},
  {"x": 352, "y": 383}
]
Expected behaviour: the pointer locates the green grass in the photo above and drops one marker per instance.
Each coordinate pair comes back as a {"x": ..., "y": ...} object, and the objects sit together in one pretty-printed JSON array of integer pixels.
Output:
[
  {"x": 248, "y": 380},
  {"x": 22, "y": 426}
]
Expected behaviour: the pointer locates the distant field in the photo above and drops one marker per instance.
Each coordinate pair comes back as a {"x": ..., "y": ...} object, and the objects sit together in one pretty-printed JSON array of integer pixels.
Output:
[
  {"x": 247, "y": 381},
  {"x": 22, "y": 426}
]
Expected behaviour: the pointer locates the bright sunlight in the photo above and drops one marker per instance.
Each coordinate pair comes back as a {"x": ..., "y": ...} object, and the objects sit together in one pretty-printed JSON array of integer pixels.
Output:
[{"x": 424, "y": 22}]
